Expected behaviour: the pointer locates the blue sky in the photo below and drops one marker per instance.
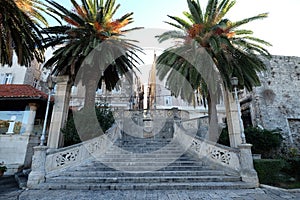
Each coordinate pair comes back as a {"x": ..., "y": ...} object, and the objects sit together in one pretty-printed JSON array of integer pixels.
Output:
[{"x": 281, "y": 28}]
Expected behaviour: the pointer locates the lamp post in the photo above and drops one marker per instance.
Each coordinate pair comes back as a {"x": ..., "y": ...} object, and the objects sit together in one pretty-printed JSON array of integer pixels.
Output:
[
  {"x": 50, "y": 84},
  {"x": 234, "y": 83}
]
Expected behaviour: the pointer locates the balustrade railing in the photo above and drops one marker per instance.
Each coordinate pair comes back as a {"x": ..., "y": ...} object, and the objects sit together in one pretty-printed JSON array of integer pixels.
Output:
[{"x": 61, "y": 158}]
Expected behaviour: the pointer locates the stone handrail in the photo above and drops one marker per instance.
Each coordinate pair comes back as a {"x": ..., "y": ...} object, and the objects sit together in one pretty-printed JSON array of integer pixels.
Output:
[
  {"x": 200, "y": 125},
  {"x": 75, "y": 154},
  {"x": 219, "y": 156}
]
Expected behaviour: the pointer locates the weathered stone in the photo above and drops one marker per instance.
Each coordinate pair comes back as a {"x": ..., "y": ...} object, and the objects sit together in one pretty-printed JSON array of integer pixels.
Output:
[{"x": 275, "y": 103}]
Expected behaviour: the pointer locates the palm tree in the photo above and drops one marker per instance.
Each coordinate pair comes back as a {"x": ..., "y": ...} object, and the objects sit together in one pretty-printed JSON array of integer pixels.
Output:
[
  {"x": 34, "y": 9},
  {"x": 19, "y": 35},
  {"x": 209, "y": 41},
  {"x": 88, "y": 26}
]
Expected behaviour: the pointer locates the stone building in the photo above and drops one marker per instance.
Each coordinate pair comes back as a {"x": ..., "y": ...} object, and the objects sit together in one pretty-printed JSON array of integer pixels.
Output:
[
  {"x": 22, "y": 113},
  {"x": 276, "y": 103}
]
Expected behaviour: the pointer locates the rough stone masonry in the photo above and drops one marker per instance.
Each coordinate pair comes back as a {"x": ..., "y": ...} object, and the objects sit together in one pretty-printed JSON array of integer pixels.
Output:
[{"x": 276, "y": 103}]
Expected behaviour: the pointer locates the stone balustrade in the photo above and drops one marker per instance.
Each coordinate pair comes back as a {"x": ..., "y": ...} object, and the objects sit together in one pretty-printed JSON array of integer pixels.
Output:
[
  {"x": 47, "y": 161},
  {"x": 232, "y": 160}
]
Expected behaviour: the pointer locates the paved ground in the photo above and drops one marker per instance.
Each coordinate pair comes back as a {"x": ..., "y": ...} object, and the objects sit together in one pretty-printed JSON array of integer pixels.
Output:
[{"x": 11, "y": 192}]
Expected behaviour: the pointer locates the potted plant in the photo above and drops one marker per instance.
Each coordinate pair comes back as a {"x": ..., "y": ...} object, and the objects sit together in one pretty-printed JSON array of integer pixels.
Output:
[{"x": 3, "y": 168}]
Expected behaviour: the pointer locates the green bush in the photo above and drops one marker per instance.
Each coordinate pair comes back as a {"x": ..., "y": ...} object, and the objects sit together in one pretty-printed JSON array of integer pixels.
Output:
[
  {"x": 264, "y": 142},
  {"x": 224, "y": 137},
  {"x": 292, "y": 167},
  {"x": 268, "y": 170},
  {"x": 105, "y": 119},
  {"x": 69, "y": 132}
]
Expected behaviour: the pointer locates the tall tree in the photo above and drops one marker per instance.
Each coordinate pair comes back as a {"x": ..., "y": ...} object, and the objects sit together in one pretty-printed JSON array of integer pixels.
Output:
[
  {"x": 233, "y": 51},
  {"x": 87, "y": 27},
  {"x": 19, "y": 34}
]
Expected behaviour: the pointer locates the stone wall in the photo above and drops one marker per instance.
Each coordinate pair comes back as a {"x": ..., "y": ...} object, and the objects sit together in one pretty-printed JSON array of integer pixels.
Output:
[
  {"x": 17, "y": 150},
  {"x": 276, "y": 103}
]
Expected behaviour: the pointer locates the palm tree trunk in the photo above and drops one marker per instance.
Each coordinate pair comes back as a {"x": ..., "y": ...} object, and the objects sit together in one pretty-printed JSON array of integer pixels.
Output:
[
  {"x": 90, "y": 95},
  {"x": 213, "y": 131},
  {"x": 90, "y": 89}
]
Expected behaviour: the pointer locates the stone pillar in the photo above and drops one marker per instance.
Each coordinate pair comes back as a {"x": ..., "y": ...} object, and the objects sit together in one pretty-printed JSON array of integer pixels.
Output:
[
  {"x": 37, "y": 174},
  {"x": 233, "y": 121},
  {"x": 247, "y": 172},
  {"x": 59, "y": 112},
  {"x": 148, "y": 125},
  {"x": 31, "y": 118}
]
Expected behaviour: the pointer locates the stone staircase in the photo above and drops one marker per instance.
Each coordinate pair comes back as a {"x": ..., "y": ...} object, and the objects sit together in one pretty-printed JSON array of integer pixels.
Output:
[{"x": 143, "y": 164}]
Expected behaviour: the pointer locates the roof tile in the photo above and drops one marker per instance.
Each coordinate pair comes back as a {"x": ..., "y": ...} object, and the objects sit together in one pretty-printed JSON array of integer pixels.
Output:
[{"x": 21, "y": 91}]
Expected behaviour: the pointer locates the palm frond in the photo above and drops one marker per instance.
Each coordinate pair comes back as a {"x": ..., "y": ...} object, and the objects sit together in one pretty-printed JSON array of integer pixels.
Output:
[
  {"x": 180, "y": 21},
  {"x": 223, "y": 9},
  {"x": 233, "y": 51},
  {"x": 247, "y": 20},
  {"x": 171, "y": 35},
  {"x": 196, "y": 12},
  {"x": 92, "y": 38}
]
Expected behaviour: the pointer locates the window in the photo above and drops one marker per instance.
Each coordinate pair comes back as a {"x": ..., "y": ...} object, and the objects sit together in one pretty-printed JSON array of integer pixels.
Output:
[
  {"x": 6, "y": 78},
  {"x": 168, "y": 101},
  {"x": 99, "y": 91},
  {"x": 116, "y": 91},
  {"x": 74, "y": 90},
  {"x": 35, "y": 83}
]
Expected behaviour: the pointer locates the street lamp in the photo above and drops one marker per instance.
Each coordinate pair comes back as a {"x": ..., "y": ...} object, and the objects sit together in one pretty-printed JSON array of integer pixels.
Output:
[
  {"x": 50, "y": 84},
  {"x": 234, "y": 83}
]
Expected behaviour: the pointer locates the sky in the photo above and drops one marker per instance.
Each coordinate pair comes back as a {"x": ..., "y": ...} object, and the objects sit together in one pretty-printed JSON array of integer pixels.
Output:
[{"x": 281, "y": 28}]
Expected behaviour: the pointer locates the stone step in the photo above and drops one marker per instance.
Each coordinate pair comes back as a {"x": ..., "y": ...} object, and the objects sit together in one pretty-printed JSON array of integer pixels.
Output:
[
  {"x": 143, "y": 164},
  {"x": 160, "y": 153},
  {"x": 145, "y": 148},
  {"x": 85, "y": 173},
  {"x": 139, "y": 155},
  {"x": 153, "y": 179},
  {"x": 136, "y": 139},
  {"x": 143, "y": 168},
  {"x": 144, "y": 141},
  {"x": 148, "y": 186},
  {"x": 147, "y": 160},
  {"x": 150, "y": 148},
  {"x": 155, "y": 154}
]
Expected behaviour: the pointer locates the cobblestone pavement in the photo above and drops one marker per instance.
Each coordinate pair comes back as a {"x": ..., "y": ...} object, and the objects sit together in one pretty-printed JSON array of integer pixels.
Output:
[
  {"x": 10, "y": 191},
  {"x": 248, "y": 194}
]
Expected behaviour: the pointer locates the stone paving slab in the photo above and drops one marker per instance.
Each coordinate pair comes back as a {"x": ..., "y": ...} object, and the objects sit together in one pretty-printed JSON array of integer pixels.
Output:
[
  {"x": 12, "y": 192},
  {"x": 245, "y": 194}
]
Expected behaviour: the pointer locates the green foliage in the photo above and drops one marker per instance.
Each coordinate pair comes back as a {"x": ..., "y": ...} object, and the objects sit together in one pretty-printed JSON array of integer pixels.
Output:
[
  {"x": 89, "y": 25},
  {"x": 34, "y": 9},
  {"x": 293, "y": 152},
  {"x": 69, "y": 131},
  {"x": 3, "y": 167},
  {"x": 210, "y": 46},
  {"x": 104, "y": 117},
  {"x": 224, "y": 137},
  {"x": 268, "y": 170},
  {"x": 264, "y": 142},
  {"x": 234, "y": 51},
  {"x": 291, "y": 167},
  {"x": 20, "y": 35}
]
